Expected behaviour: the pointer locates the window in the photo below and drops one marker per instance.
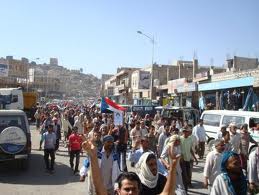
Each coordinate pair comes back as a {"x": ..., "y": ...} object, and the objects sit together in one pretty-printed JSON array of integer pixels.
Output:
[
  {"x": 14, "y": 98},
  {"x": 238, "y": 120},
  {"x": 188, "y": 116},
  {"x": 175, "y": 113},
  {"x": 6, "y": 121},
  {"x": 256, "y": 120},
  {"x": 253, "y": 122},
  {"x": 211, "y": 119}
]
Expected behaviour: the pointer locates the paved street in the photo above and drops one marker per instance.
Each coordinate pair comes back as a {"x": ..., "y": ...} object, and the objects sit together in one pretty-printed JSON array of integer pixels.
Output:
[{"x": 36, "y": 181}]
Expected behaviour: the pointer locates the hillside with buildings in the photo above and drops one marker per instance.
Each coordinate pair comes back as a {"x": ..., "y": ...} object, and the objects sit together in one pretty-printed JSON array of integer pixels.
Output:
[{"x": 49, "y": 80}]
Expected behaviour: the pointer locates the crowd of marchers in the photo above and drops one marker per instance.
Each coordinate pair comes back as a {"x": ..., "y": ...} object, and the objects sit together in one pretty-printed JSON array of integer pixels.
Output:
[{"x": 162, "y": 151}]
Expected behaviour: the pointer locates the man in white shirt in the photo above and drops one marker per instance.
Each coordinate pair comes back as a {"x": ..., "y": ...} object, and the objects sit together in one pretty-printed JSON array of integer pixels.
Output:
[
  {"x": 135, "y": 135},
  {"x": 212, "y": 166},
  {"x": 235, "y": 138},
  {"x": 143, "y": 128},
  {"x": 162, "y": 137},
  {"x": 157, "y": 116},
  {"x": 253, "y": 171},
  {"x": 65, "y": 126},
  {"x": 160, "y": 126},
  {"x": 200, "y": 134}
]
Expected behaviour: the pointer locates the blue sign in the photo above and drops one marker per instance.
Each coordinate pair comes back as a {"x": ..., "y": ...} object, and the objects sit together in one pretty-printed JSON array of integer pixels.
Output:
[{"x": 242, "y": 82}]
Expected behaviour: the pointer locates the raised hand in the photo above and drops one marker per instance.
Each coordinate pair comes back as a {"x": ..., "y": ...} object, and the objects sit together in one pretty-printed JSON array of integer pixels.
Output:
[
  {"x": 90, "y": 148},
  {"x": 174, "y": 158}
]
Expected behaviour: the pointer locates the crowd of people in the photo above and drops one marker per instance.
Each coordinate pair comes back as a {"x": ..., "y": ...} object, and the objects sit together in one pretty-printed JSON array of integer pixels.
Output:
[{"x": 161, "y": 151}]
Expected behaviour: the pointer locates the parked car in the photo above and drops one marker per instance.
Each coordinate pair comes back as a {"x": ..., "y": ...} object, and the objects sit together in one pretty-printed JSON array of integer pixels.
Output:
[
  {"x": 182, "y": 113},
  {"x": 15, "y": 137},
  {"x": 213, "y": 119}
]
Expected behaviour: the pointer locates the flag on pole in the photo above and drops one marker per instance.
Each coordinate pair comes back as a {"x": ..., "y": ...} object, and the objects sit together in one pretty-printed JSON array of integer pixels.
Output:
[{"x": 107, "y": 105}]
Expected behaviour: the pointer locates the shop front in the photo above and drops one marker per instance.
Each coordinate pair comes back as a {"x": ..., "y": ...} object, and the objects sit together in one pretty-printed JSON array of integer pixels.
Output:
[
  {"x": 173, "y": 86},
  {"x": 188, "y": 94},
  {"x": 227, "y": 94}
]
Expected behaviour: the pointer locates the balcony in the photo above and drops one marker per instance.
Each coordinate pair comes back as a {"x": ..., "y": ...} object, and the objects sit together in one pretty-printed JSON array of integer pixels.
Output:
[{"x": 122, "y": 87}]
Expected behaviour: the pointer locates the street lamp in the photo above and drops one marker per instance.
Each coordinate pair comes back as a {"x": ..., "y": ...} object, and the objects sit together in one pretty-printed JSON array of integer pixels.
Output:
[{"x": 152, "y": 62}]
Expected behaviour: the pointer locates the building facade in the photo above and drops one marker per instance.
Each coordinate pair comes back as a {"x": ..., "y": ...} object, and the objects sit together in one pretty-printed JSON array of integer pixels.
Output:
[{"x": 118, "y": 87}]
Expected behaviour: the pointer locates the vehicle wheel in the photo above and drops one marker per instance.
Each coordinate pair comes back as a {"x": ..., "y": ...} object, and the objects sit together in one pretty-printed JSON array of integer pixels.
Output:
[{"x": 211, "y": 142}]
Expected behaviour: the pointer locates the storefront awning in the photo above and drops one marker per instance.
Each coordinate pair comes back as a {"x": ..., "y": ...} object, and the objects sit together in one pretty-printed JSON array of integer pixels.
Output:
[{"x": 242, "y": 82}]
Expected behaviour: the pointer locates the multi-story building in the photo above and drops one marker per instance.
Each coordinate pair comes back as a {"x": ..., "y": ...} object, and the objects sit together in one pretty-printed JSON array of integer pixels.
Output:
[
  {"x": 118, "y": 87},
  {"x": 241, "y": 63},
  {"x": 140, "y": 84},
  {"x": 220, "y": 89},
  {"x": 53, "y": 61},
  {"x": 17, "y": 72},
  {"x": 160, "y": 75},
  {"x": 104, "y": 78}
]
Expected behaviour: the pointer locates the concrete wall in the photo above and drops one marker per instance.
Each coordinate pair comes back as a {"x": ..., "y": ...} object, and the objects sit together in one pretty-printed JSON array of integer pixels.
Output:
[{"x": 241, "y": 63}]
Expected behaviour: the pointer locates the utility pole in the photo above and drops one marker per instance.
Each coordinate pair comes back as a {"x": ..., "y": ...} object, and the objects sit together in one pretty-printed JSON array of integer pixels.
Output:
[{"x": 152, "y": 40}]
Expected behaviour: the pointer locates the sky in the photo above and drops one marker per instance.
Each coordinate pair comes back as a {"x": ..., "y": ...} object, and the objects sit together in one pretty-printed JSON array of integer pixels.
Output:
[{"x": 101, "y": 35}]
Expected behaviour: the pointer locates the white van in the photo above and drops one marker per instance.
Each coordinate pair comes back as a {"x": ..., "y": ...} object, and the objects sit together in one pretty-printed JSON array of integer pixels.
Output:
[
  {"x": 11, "y": 98},
  {"x": 213, "y": 119}
]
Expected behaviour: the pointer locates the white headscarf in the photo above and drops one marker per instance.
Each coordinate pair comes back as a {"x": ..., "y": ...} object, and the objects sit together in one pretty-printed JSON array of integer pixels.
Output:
[
  {"x": 172, "y": 138},
  {"x": 146, "y": 176}
]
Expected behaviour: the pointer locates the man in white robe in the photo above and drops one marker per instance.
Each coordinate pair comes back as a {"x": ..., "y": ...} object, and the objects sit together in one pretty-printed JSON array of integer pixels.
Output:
[{"x": 212, "y": 166}]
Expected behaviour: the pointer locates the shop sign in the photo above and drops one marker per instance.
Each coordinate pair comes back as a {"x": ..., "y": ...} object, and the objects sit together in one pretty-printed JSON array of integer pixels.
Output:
[
  {"x": 188, "y": 87},
  {"x": 173, "y": 85},
  {"x": 144, "y": 80},
  {"x": 232, "y": 83},
  {"x": 201, "y": 76}
]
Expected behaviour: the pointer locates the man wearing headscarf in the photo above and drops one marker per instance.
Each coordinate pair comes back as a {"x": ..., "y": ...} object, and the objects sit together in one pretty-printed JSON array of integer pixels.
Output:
[
  {"x": 104, "y": 130},
  {"x": 212, "y": 166},
  {"x": 109, "y": 165},
  {"x": 79, "y": 123},
  {"x": 174, "y": 142},
  {"x": 147, "y": 169},
  {"x": 231, "y": 181}
]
